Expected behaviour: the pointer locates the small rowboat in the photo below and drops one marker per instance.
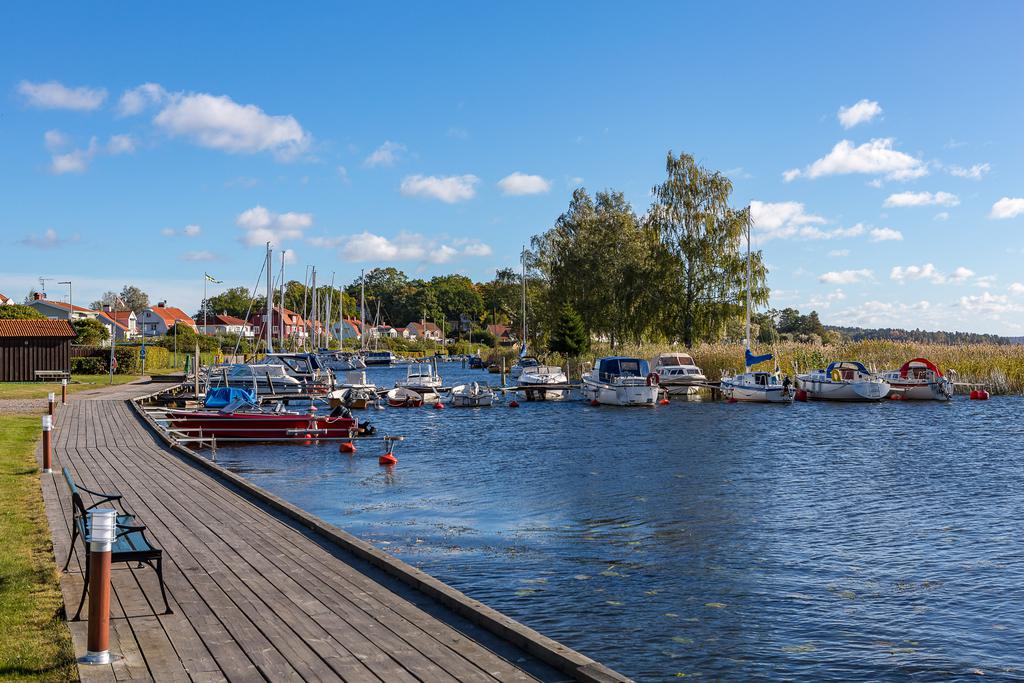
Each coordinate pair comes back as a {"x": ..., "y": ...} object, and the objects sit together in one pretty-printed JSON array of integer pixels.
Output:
[
  {"x": 400, "y": 397},
  {"x": 256, "y": 426}
]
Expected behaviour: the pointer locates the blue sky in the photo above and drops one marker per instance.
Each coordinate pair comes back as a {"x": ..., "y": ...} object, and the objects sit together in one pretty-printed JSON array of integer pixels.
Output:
[{"x": 882, "y": 144}]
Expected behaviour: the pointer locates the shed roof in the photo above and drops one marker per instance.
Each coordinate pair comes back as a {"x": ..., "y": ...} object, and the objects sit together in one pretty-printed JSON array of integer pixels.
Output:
[{"x": 36, "y": 328}]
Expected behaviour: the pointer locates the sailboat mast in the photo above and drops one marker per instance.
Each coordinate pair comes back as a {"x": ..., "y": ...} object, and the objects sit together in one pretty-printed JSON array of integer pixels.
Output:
[
  {"x": 327, "y": 315},
  {"x": 748, "y": 286},
  {"x": 280, "y": 336},
  {"x": 362, "y": 310},
  {"x": 268, "y": 325},
  {"x": 522, "y": 260},
  {"x": 314, "y": 313}
]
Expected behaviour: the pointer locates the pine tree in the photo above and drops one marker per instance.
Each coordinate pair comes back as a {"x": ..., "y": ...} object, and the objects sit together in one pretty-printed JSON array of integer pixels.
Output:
[{"x": 569, "y": 337}]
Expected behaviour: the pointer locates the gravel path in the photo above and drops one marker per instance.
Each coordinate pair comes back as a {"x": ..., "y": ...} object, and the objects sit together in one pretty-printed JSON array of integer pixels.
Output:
[{"x": 22, "y": 406}]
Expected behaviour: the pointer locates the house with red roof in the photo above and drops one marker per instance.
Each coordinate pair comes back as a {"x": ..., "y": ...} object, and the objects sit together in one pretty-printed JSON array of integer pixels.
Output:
[
  {"x": 503, "y": 333},
  {"x": 158, "y": 320},
  {"x": 6, "y": 300},
  {"x": 294, "y": 325},
  {"x": 61, "y": 310},
  {"x": 424, "y": 330},
  {"x": 227, "y": 325}
]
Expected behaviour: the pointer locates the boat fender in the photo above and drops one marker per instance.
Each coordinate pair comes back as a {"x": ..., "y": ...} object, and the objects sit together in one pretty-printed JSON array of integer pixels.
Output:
[
  {"x": 895, "y": 397},
  {"x": 800, "y": 395},
  {"x": 732, "y": 400},
  {"x": 980, "y": 395},
  {"x": 653, "y": 379},
  {"x": 388, "y": 459},
  {"x": 836, "y": 376},
  {"x": 594, "y": 402},
  {"x": 663, "y": 402},
  {"x": 513, "y": 403},
  {"x": 438, "y": 406},
  {"x": 347, "y": 447}
]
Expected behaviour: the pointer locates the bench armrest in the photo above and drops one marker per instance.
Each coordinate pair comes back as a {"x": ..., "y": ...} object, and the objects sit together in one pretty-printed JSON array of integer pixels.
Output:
[{"x": 128, "y": 529}]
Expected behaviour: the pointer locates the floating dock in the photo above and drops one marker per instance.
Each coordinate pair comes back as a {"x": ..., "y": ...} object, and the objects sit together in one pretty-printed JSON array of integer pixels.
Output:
[{"x": 261, "y": 590}]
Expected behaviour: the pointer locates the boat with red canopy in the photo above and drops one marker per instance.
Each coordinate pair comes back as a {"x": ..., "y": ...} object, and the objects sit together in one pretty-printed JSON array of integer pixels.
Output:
[
  {"x": 255, "y": 425},
  {"x": 919, "y": 379}
]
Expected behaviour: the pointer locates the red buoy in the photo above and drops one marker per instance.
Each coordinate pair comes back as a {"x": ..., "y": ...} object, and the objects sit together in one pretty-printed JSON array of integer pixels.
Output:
[
  {"x": 974, "y": 394},
  {"x": 438, "y": 406},
  {"x": 980, "y": 395},
  {"x": 800, "y": 395},
  {"x": 513, "y": 403},
  {"x": 388, "y": 459},
  {"x": 663, "y": 402},
  {"x": 347, "y": 447},
  {"x": 895, "y": 397},
  {"x": 594, "y": 402},
  {"x": 732, "y": 400}
]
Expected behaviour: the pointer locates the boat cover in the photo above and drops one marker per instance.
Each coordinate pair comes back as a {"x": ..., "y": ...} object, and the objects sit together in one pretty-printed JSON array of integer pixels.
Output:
[
  {"x": 218, "y": 397},
  {"x": 919, "y": 362},
  {"x": 846, "y": 365}
]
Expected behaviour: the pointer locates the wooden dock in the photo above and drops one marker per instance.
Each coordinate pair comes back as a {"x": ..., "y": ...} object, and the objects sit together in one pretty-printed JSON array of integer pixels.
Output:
[{"x": 259, "y": 593}]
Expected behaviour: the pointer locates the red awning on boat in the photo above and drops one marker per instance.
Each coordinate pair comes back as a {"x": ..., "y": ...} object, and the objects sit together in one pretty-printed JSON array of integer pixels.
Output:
[{"x": 919, "y": 363}]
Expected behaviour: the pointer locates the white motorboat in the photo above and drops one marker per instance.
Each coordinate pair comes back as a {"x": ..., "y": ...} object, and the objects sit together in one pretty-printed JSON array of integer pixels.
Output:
[
  {"x": 400, "y": 397},
  {"x": 524, "y": 363},
  {"x": 920, "y": 380},
  {"x": 338, "y": 361},
  {"x": 472, "y": 395},
  {"x": 621, "y": 381},
  {"x": 262, "y": 379},
  {"x": 843, "y": 381},
  {"x": 421, "y": 377},
  {"x": 354, "y": 391},
  {"x": 678, "y": 373},
  {"x": 535, "y": 382}
]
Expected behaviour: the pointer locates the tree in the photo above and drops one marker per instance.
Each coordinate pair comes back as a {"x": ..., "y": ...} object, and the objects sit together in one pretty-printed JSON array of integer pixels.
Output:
[
  {"x": 569, "y": 336},
  {"x": 235, "y": 302},
  {"x": 131, "y": 299},
  {"x": 90, "y": 332},
  {"x": 692, "y": 216},
  {"x": 456, "y": 295},
  {"x": 20, "y": 312}
]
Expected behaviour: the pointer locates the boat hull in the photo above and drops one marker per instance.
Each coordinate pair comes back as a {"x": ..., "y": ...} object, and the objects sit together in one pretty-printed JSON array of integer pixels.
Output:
[
  {"x": 620, "y": 394},
  {"x": 922, "y": 391},
  {"x": 851, "y": 391},
  {"x": 753, "y": 394},
  {"x": 256, "y": 426}
]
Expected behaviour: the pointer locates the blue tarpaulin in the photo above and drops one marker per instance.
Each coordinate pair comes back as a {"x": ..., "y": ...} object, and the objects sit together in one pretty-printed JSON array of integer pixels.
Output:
[
  {"x": 221, "y": 396},
  {"x": 754, "y": 360}
]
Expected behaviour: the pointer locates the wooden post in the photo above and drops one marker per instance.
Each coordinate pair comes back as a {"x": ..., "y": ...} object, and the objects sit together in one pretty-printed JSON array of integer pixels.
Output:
[
  {"x": 47, "y": 445},
  {"x": 102, "y": 526}
]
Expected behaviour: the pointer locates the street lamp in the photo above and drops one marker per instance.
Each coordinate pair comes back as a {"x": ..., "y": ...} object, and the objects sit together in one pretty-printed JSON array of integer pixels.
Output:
[{"x": 71, "y": 302}]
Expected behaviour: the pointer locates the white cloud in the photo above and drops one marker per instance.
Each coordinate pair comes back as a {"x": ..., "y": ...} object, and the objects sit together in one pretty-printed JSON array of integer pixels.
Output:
[
  {"x": 48, "y": 240},
  {"x": 137, "y": 99},
  {"x": 883, "y": 313},
  {"x": 926, "y": 272},
  {"x": 290, "y": 256},
  {"x": 520, "y": 183},
  {"x": 1007, "y": 207},
  {"x": 343, "y": 175},
  {"x": 961, "y": 274},
  {"x": 75, "y": 161},
  {"x": 985, "y": 281},
  {"x": 856, "y": 114},
  {"x": 54, "y": 95},
  {"x": 385, "y": 155},
  {"x": 120, "y": 144},
  {"x": 791, "y": 174},
  {"x": 975, "y": 172},
  {"x": 773, "y": 220},
  {"x": 885, "y": 235},
  {"x": 903, "y": 199},
  {"x": 326, "y": 241},
  {"x": 192, "y": 230},
  {"x": 845, "y": 277},
  {"x": 941, "y": 216},
  {"x": 876, "y": 157},
  {"x": 839, "y": 252},
  {"x": 199, "y": 256},
  {"x": 987, "y": 303},
  {"x": 54, "y": 140},
  {"x": 261, "y": 226},
  {"x": 367, "y": 246},
  {"x": 825, "y": 301},
  {"x": 218, "y": 122},
  {"x": 449, "y": 189},
  {"x": 1016, "y": 288}
]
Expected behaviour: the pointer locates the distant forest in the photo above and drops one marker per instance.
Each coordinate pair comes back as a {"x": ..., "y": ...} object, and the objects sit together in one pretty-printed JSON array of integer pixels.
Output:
[{"x": 922, "y": 336}]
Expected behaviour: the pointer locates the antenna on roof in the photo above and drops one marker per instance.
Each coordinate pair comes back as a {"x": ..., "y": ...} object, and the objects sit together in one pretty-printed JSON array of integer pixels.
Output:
[{"x": 42, "y": 284}]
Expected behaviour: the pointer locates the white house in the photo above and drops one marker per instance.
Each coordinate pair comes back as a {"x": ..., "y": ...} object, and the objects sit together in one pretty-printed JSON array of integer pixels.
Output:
[
  {"x": 6, "y": 300},
  {"x": 59, "y": 310},
  {"x": 227, "y": 325},
  {"x": 424, "y": 330},
  {"x": 157, "y": 320}
]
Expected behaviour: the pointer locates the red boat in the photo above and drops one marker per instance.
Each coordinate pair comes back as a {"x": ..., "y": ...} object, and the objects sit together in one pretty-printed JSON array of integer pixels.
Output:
[{"x": 243, "y": 426}]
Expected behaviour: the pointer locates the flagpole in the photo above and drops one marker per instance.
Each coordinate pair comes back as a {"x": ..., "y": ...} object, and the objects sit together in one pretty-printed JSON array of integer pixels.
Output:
[{"x": 206, "y": 278}]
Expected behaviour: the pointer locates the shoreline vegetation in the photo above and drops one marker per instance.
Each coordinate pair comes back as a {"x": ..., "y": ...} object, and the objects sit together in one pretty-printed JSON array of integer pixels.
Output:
[{"x": 35, "y": 643}]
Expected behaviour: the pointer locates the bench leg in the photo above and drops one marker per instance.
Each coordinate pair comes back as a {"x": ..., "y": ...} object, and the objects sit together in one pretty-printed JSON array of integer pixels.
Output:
[
  {"x": 85, "y": 590},
  {"x": 71, "y": 550},
  {"x": 160, "y": 575}
]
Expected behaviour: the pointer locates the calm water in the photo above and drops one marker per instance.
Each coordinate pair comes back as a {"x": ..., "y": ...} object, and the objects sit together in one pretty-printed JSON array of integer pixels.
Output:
[{"x": 822, "y": 542}]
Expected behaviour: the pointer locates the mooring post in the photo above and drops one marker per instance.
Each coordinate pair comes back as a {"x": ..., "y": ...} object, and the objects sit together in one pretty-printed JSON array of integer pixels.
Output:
[
  {"x": 51, "y": 401},
  {"x": 47, "y": 446},
  {"x": 63, "y": 392},
  {"x": 102, "y": 527}
]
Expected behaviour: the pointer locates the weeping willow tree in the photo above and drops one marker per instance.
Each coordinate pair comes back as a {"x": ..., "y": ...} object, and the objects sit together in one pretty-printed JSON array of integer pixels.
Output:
[{"x": 707, "y": 240}]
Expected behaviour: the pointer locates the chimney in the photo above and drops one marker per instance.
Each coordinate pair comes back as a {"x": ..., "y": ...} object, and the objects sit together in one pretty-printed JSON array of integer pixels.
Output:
[
  {"x": 106, "y": 308},
  {"x": 37, "y": 296},
  {"x": 162, "y": 304}
]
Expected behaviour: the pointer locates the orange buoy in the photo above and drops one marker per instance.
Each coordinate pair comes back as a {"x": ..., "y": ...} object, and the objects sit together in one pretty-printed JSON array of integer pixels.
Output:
[
  {"x": 347, "y": 447},
  {"x": 663, "y": 402},
  {"x": 800, "y": 395},
  {"x": 896, "y": 397},
  {"x": 438, "y": 406},
  {"x": 388, "y": 459},
  {"x": 513, "y": 403},
  {"x": 594, "y": 402},
  {"x": 732, "y": 400}
]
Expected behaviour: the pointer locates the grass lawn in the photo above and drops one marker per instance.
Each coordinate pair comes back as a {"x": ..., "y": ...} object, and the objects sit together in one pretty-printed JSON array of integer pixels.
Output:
[
  {"x": 78, "y": 383},
  {"x": 35, "y": 643}
]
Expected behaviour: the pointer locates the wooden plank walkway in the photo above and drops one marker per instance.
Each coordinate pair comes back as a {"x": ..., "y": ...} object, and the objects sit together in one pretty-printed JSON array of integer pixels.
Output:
[{"x": 255, "y": 595}]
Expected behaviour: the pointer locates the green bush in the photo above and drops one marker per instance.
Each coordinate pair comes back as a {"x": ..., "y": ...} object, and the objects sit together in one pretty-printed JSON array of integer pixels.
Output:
[{"x": 88, "y": 366}]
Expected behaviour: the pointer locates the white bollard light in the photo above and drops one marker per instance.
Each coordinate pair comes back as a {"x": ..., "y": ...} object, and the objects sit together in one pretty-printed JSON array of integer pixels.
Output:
[
  {"x": 47, "y": 444},
  {"x": 102, "y": 530}
]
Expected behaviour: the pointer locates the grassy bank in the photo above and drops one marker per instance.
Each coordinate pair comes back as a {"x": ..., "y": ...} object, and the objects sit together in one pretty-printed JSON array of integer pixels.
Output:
[
  {"x": 999, "y": 367},
  {"x": 29, "y": 390},
  {"x": 35, "y": 643}
]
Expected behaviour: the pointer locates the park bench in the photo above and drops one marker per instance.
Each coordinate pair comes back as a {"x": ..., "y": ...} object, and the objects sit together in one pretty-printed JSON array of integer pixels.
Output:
[
  {"x": 51, "y": 375},
  {"x": 130, "y": 542}
]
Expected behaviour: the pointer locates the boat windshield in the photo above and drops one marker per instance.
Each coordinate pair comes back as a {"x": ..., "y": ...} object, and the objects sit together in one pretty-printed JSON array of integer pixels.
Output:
[
  {"x": 622, "y": 367},
  {"x": 675, "y": 359}
]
